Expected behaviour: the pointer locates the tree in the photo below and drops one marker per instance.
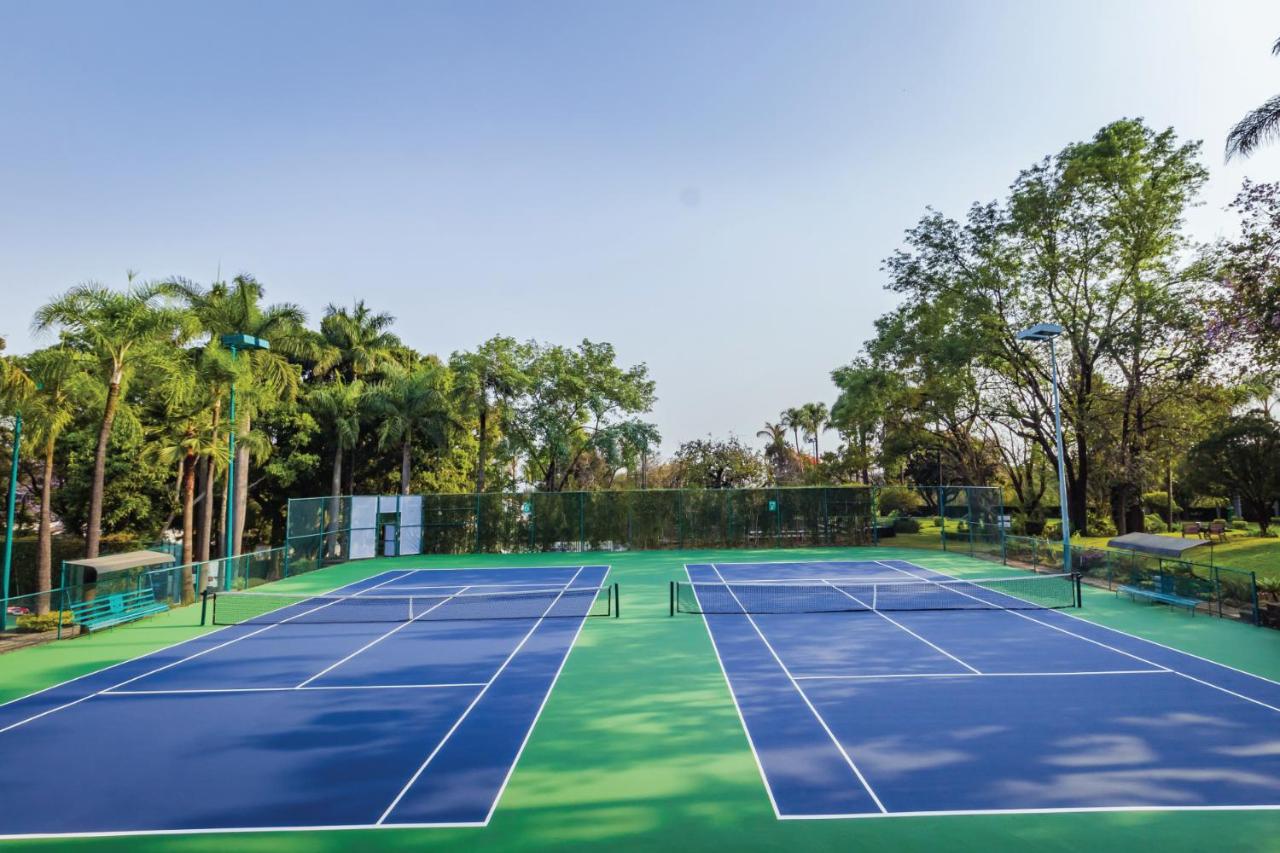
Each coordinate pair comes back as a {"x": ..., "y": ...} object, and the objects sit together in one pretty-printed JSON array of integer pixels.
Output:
[
  {"x": 412, "y": 403},
  {"x": 1247, "y": 308},
  {"x": 356, "y": 344},
  {"x": 706, "y": 463},
  {"x": 336, "y": 406},
  {"x": 1258, "y": 126},
  {"x": 486, "y": 383},
  {"x": 1241, "y": 457},
  {"x": 793, "y": 419},
  {"x": 122, "y": 330},
  {"x": 59, "y": 385},
  {"x": 263, "y": 378},
  {"x": 570, "y": 396},
  {"x": 814, "y": 418}
]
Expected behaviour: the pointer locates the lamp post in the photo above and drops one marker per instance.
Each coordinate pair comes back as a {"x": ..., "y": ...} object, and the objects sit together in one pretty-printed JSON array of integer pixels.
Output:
[
  {"x": 8, "y": 527},
  {"x": 235, "y": 343},
  {"x": 1047, "y": 332}
]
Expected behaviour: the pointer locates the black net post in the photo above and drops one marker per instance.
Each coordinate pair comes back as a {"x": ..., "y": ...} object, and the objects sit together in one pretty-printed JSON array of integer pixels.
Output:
[
  {"x": 204, "y": 604},
  {"x": 672, "y": 593},
  {"x": 617, "y": 600}
]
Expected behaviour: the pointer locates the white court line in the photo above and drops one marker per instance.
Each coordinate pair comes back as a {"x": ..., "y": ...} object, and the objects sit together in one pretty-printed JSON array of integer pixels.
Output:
[
  {"x": 555, "y": 678},
  {"x": 172, "y": 664},
  {"x": 764, "y": 777},
  {"x": 1062, "y": 810},
  {"x": 538, "y": 586},
  {"x": 894, "y": 622},
  {"x": 1099, "y": 642},
  {"x": 204, "y": 690},
  {"x": 457, "y": 723},
  {"x": 981, "y": 674},
  {"x": 822, "y": 722},
  {"x": 379, "y": 639}
]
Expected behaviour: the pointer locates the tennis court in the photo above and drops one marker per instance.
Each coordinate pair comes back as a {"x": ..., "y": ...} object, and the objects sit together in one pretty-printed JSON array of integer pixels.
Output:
[
  {"x": 404, "y": 699},
  {"x": 881, "y": 688}
]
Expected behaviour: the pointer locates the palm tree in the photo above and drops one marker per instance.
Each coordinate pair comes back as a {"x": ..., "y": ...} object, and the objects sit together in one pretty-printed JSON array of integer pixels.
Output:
[
  {"x": 262, "y": 377},
  {"x": 355, "y": 344},
  {"x": 336, "y": 405},
  {"x": 63, "y": 377},
  {"x": 1257, "y": 126},
  {"x": 776, "y": 435},
  {"x": 793, "y": 419},
  {"x": 123, "y": 330},
  {"x": 412, "y": 403},
  {"x": 814, "y": 419}
]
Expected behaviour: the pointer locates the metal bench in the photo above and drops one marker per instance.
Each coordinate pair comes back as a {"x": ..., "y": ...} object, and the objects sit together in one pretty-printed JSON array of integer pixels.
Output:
[
  {"x": 107, "y": 610},
  {"x": 1164, "y": 592}
]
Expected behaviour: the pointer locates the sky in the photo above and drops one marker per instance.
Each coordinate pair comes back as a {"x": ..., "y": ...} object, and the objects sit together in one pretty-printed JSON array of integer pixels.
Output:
[{"x": 710, "y": 186}]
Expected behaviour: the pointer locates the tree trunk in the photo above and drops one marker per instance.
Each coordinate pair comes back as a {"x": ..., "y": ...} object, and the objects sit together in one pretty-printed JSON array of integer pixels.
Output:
[
  {"x": 93, "y": 536},
  {"x": 44, "y": 549},
  {"x": 204, "y": 475},
  {"x": 406, "y": 465},
  {"x": 188, "y": 525},
  {"x": 335, "y": 503},
  {"x": 242, "y": 494},
  {"x": 484, "y": 448}
]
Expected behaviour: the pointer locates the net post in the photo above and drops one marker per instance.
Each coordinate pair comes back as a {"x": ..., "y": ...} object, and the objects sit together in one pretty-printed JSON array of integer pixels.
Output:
[
  {"x": 672, "y": 593},
  {"x": 1079, "y": 594},
  {"x": 204, "y": 604},
  {"x": 617, "y": 600}
]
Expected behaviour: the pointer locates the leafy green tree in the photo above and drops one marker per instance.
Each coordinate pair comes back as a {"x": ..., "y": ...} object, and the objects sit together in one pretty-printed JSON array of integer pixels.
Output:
[
  {"x": 356, "y": 344},
  {"x": 814, "y": 419},
  {"x": 706, "y": 463},
  {"x": 336, "y": 406},
  {"x": 1241, "y": 457},
  {"x": 1258, "y": 126},
  {"x": 570, "y": 397},
  {"x": 793, "y": 419},
  {"x": 123, "y": 330},
  {"x": 486, "y": 384},
  {"x": 1246, "y": 310}
]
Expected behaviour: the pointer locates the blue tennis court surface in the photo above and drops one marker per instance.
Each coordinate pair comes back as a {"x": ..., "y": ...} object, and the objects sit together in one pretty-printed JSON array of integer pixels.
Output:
[
  {"x": 307, "y": 716},
  {"x": 885, "y": 712}
]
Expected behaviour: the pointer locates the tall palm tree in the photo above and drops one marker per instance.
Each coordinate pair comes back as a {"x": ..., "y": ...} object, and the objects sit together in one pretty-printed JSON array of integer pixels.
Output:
[
  {"x": 776, "y": 436},
  {"x": 793, "y": 419},
  {"x": 336, "y": 405},
  {"x": 1258, "y": 126},
  {"x": 814, "y": 419},
  {"x": 412, "y": 403},
  {"x": 122, "y": 330},
  {"x": 355, "y": 344},
  {"x": 262, "y": 377},
  {"x": 63, "y": 378}
]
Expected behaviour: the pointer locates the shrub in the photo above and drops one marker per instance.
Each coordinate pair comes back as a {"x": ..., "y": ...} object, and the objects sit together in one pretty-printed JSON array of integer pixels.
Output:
[
  {"x": 1269, "y": 588},
  {"x": 899, "y": 500},
  {"x": 1157, "y": 503},
  {"x": 31, "y": 623},
  {"x": 1154, "y": 524},
  {"x": 906, "y": 524},
  {"x": 1239, "y": 524},
  {"x": 1101, "y": 525},
  {"x": 1052, "y": 530}
]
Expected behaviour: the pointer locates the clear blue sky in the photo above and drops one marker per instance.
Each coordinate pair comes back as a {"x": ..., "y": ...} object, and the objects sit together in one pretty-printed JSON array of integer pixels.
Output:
[{"x": 710, "y": 185}]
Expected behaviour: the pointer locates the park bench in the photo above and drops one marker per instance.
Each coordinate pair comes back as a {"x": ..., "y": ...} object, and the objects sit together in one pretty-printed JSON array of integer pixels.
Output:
[
  {"x": 1192, "y": 527},
  {"x": 107, "y": 610},
  {"x": 1164, "y": 592},
  {"x": 1218, "y": 529}
]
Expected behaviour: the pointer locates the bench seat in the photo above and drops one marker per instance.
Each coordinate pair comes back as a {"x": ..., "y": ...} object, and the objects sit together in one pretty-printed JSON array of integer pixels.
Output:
[
  {"x": 116, "y": 609},
  {"x": 1155, "y": 595}
]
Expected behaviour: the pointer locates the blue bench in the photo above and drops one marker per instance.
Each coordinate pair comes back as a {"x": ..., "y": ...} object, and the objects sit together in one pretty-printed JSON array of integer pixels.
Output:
[
  {"x": 1164, "y": 592},
  {"x": 107, "y": 610}
]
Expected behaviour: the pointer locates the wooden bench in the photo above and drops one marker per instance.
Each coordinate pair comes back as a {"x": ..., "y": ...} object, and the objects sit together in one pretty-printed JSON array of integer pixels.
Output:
[
  {"x": 1192, "y": 527},
  {"x": 1164, "y": 593},
  {"x": 107, "y": 610}
]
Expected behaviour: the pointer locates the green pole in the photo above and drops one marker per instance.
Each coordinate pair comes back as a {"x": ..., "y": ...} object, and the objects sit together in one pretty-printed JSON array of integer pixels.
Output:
[
  {"x": 8, "y": 527},
  {"x": 231, "y": 482}
]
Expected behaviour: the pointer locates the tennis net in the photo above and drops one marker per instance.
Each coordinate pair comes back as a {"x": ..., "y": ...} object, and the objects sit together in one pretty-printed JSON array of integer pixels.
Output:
[
  {"x": 1033, "y": 592},
  {"x": 266, "y": 608}
]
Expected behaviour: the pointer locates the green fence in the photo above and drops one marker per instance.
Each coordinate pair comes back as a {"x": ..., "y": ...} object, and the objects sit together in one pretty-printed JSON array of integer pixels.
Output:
[{"x": 321, "y": 531}]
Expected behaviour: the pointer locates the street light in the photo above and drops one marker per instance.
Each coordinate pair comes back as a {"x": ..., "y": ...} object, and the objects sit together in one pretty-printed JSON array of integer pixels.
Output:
[
  {"x": 234, "y": 343},
  {"x": 8, "y": 527},
  {"x": 1047, "y": 332}
]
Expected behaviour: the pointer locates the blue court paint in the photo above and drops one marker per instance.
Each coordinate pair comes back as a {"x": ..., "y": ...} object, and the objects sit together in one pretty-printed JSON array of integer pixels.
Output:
[
  {"x": 1062, "y": 714},
  {"x": 251, "y": 751}
]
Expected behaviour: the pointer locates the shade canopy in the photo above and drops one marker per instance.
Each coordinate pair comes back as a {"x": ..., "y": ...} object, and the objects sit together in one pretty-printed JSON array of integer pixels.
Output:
[
  {"x": 1156, "y": 546},
  {"x": 123, "y": 562}
]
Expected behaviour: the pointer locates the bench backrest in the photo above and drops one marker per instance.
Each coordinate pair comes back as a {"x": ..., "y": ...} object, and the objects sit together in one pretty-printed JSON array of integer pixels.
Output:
[
  {"x": 1191, "y": 527},
  {"x": 114, "y": 604},
  {"x": 1218, "y": 527}
]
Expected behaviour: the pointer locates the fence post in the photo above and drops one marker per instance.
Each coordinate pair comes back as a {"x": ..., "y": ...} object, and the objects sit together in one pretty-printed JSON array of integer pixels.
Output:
[
  {"x": 582, "y": 533},
  {"x": 942, "y": 513}
]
